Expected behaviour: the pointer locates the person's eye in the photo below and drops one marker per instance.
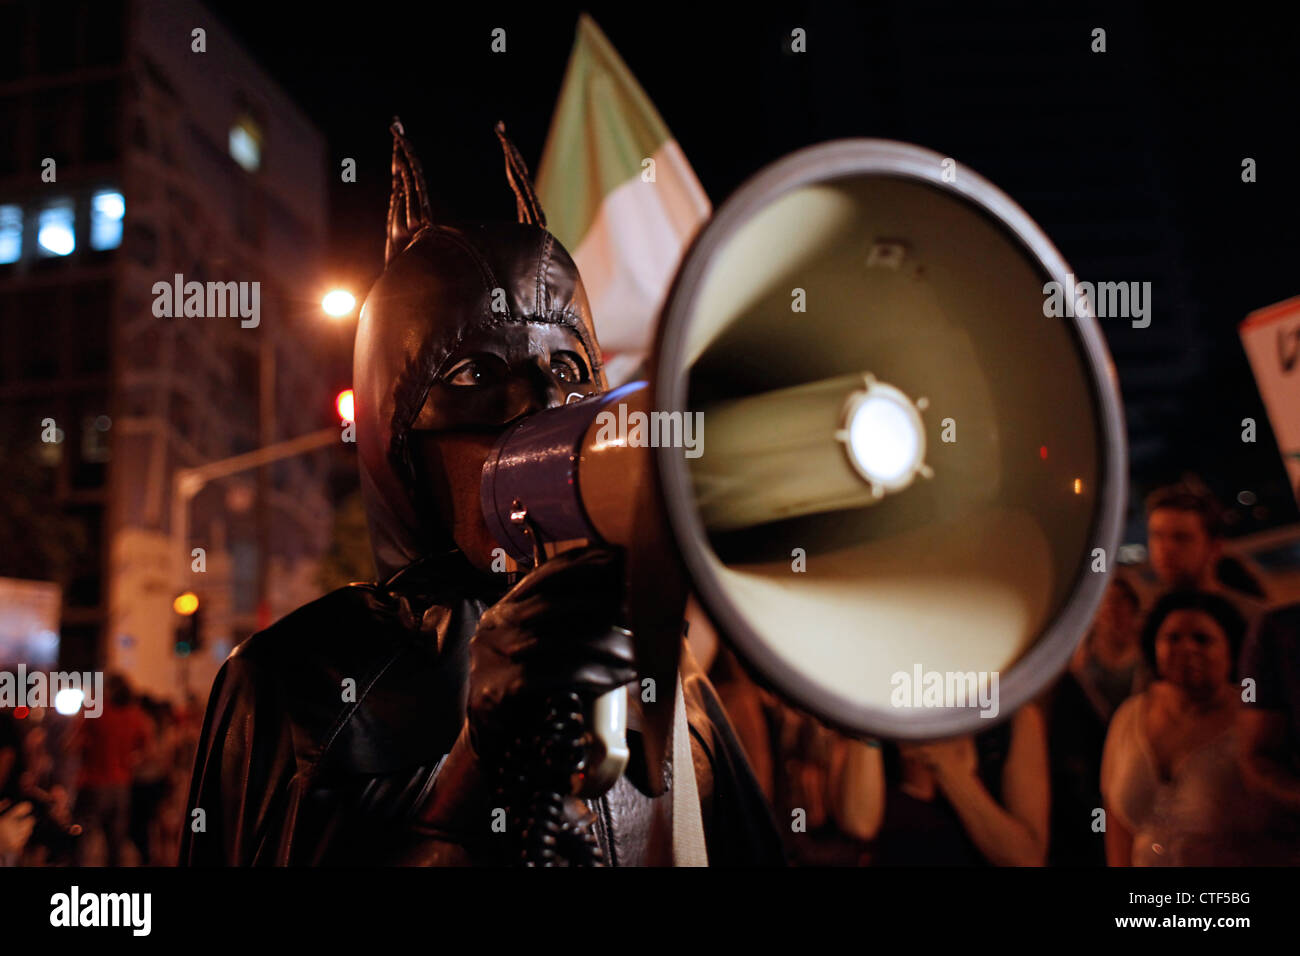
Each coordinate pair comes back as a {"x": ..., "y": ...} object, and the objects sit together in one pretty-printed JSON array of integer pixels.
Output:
[
  {"x": 478, "y": 371},
  {"x": 569, "y": 368}
]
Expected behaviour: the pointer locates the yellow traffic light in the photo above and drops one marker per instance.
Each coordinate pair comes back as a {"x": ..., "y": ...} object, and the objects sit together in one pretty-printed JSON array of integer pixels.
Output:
[{"x": 186, "y": 603}]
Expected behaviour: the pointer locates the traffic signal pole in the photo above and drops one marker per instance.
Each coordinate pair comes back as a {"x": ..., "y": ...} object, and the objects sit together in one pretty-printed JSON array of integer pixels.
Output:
[{"x": 188, "y": 482}]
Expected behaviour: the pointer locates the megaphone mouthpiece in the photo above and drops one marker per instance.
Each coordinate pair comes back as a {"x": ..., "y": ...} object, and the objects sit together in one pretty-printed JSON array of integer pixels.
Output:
[{"x": 823, "y": 446}]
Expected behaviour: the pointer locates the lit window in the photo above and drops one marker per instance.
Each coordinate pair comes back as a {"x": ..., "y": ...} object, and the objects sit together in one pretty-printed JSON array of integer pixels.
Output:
[
  {"x": 11, "y": 234},
  {"x": 55, "y": 235},
  {"x": 50, "y": 453},
  {"x": 246, "y": 144},
  {"x": 94, "y": 438},
  {"x": 106, "y": 211}
]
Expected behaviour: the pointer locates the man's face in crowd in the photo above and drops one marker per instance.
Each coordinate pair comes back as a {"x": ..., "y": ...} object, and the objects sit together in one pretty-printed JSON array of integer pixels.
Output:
[
  {"x": 495, "y": 376},
  {"x": 1182, "y": 551}
]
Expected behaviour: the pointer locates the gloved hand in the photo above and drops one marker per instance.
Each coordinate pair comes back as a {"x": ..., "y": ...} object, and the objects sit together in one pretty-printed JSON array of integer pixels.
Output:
[{"x": 552, "y": 633}]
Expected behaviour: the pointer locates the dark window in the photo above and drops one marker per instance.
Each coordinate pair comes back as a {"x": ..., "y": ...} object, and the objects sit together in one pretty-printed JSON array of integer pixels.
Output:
[
  {"x": 103, "y": 20},
  {"x": 183, "y": 417},
  {"x": 38, "y": 342},
  {"x": 85, "y": 585},
  {"x": 79, "y": 647},
  {"x": 140, "y": 134},
  {"x": 13, "y": 30},
  {"x": 101, "y": 116},
  {"x": 142, "y": 244},
  {"x": 248, "y": 214},
  {"x": 145, "y": 346},
  {"x": 9, "y": 335},
  {"x": 90, "y": 452},
  {"x": 10, "y": 111},
  {"x": 56, "y": 38},
  {"x": 91, "y": 315},
  {"x": 56, "y": 119}
]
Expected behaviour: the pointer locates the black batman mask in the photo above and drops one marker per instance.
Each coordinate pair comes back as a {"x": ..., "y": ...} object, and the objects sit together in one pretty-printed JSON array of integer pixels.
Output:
[{"x": 468, "y": 328}]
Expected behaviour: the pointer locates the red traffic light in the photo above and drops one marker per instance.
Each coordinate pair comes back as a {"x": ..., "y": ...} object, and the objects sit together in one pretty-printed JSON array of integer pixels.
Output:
[{"x": 345, "y": 404}]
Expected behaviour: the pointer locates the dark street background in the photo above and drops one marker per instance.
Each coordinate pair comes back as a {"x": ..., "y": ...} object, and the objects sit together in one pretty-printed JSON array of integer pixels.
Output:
[
  {"x": 175, "y": 480},
  {"x": 1130, "y": 160}
]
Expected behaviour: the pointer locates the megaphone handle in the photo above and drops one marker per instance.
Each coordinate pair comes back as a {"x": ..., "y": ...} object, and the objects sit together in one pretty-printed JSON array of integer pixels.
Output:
[{"x": 606, "y": 751}]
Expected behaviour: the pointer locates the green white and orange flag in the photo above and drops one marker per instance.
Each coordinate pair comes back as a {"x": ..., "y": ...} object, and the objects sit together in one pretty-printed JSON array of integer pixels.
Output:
[{"x": 626, "y": 221}]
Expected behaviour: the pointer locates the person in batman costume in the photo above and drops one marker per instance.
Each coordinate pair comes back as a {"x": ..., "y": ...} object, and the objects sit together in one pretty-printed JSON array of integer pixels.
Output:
[{"x": 386, "y": 723}]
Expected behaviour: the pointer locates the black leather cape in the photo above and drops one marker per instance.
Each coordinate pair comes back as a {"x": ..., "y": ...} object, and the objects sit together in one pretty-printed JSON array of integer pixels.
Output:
[{"x": 335, "y": 735}]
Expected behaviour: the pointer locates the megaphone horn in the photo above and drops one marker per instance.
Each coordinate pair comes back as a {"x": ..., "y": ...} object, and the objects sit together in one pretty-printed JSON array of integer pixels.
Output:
[{"x": 891, "y": 476}]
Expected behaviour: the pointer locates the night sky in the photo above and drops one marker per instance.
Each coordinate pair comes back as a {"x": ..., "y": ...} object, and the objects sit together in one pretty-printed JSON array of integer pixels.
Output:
[{"x": 1130, "y": 160}]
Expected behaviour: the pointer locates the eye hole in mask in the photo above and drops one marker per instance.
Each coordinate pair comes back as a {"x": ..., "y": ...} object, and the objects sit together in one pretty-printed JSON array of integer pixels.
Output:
[
  {"x": 477, "y": 371},
  {"x": 484, "y": 370}
]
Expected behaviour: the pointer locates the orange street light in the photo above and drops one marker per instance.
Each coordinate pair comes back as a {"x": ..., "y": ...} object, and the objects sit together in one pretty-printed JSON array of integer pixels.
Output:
[{"x": 338, "y": 303}]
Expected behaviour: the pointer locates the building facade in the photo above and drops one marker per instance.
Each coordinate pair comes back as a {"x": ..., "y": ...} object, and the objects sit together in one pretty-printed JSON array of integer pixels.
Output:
[{"x": 145, "y": 151}]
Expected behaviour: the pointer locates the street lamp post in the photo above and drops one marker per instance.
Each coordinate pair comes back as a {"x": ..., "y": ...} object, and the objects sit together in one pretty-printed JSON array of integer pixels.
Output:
[{"x": 188, "y": 482}]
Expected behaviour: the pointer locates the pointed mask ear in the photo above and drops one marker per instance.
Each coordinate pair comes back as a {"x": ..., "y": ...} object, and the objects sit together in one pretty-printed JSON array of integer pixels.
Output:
[
  {"x": 526, "y": 204},
  {"x": 408, "y": 204}
]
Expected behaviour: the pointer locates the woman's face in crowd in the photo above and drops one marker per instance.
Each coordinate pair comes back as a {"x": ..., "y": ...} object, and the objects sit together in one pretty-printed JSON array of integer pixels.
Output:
[{"x": 1193, "y": 652}]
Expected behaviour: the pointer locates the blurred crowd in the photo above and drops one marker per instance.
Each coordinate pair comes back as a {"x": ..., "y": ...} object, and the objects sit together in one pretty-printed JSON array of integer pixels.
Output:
[
  {"x": 93, "y": 792},
  {"x": 1172, "y": 739}
]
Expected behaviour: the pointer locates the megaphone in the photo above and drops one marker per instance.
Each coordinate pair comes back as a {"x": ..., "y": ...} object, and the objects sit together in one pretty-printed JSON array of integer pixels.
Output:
[{"x": 873, "y": 454}]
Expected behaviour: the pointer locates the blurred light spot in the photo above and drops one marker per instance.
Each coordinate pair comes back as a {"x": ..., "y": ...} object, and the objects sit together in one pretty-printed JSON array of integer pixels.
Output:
[
  {"x": 1132, "y": 553},
  {"x": 11, "y": 234},
  {"x": 246, "y": 144},
  {"x": 338, "y": 303},
  {"x": 1042, "y": 452},
  {"x": 54, "y": 232},
  {"x": 883, "y": 439},
  {"x": 107, "y": 209},
  {"x": 1078, "y": 486},
  {"x": 346, "y": 404},
  {"x": 240, "y": 497},
  {"x": 68, "y": 701},
  {"x": 44, "y": 643},
  {"x": 186, "y": 603},
  {"x": 1246, "y": 498}
]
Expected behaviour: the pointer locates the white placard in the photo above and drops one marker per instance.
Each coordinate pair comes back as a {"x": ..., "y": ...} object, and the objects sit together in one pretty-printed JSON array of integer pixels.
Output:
[{"x": 1271, "y": 338}]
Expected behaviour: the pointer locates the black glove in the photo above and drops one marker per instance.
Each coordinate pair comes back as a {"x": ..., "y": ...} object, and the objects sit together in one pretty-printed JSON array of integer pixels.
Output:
[{"x": 554, "y": 633}]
